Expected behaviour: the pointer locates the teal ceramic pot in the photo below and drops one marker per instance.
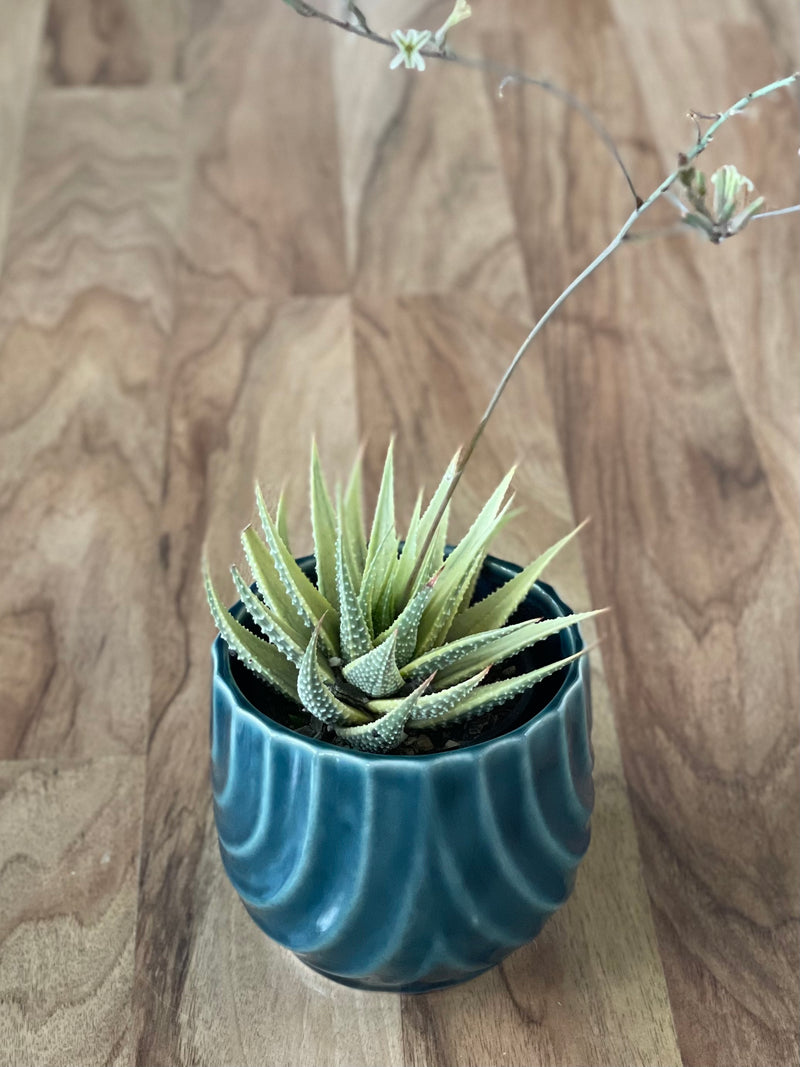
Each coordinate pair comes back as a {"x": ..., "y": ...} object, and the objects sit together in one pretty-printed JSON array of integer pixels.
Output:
[{"x": 407, "y": 873}]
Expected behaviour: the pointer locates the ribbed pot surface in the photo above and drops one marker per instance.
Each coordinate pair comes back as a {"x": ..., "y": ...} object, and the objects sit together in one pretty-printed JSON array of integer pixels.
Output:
[{"x": 406, "y": 873}]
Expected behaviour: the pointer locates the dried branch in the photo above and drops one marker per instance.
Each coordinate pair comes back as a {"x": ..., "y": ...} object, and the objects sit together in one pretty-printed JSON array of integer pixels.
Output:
[
  {"x": 717, "y": 225},
  {"x": 360, "y": 28},
  {"x": 684, "y": 160}
]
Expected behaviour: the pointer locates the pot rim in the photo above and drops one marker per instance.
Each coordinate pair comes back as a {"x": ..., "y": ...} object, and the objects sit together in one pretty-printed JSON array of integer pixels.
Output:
[{"x": 221, "y": 663}]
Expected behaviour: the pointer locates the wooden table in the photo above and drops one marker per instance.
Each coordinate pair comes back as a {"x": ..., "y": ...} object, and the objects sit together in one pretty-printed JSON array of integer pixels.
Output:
[{"x": 223, "y": 227}]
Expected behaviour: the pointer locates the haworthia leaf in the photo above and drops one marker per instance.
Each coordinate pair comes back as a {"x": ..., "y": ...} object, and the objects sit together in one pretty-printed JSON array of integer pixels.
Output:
[
  {"x": 435, "y": 553},
  {"x": 354, "y": 635},
  {"x": 469, "y": 589},
  {"x": 446, "y": 655},
  {"x": 489, "y": 696},
  {"x": 303, "y": 594},
  {"x": 323, "y": 525},
  {"x": 355, "y": 541},
  {"x": 382, "y": 546},
  {"x": 362, "y": 587},
  {"x": 408, "y": 555},
  {"x": 266, "y": 621},
  {"x": 434, "y": 557},
  {"x": 371, "y": 582},
  {"x": 384, "y": 614},
  {"x": 317, "y": 697},
  {"x": 376, "y": 672},
  {"x": 470, "y": 572},
  {"x": 271, "y": 588},
  {"x": 432, "y": 707},
  {"x": 262, "y": 658},
  {"x": 495, "y": 609},
  {"x": 459, "y": 566},
  {"x": 407, "y": 623},
  {"x": 435, "y": 502},
  {"x": 443, "y": 703},
  {"x": 461, "y": 658},
  {"x": 385, "y": 733},
  {"x": 281, "y": 520}
]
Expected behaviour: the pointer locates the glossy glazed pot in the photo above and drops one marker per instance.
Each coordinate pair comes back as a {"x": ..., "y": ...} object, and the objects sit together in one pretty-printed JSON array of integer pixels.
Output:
[{"x": 407, "y": 873}]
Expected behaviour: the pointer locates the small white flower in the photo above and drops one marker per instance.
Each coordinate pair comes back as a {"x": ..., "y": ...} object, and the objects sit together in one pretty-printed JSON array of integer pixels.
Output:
[{"x": 409, "y": 45}]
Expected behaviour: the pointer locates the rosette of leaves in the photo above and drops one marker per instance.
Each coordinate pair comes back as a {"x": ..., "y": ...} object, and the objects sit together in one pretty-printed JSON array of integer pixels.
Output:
[{"x": 384, "y": 640}]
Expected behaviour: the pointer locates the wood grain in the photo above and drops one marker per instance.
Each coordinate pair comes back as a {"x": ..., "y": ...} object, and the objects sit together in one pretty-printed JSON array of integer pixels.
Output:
[
  {"x": 250, "y": 135},
  {"x": 69, "y": 856},
  {"x": 224, "y": 228},
  {"x": 117, "y": 42},
  {"x": 583, "y": 965},
  {"x": 691, "y": 539},
  {"x": 20, "y": 43},
  {"x": 236, "y": 382},
  {"x": 423, "y": 191},
  {"x": 85, "y": 307},
  {"x": 238, "y": 360},
  {"x": 755, "y": 298}
]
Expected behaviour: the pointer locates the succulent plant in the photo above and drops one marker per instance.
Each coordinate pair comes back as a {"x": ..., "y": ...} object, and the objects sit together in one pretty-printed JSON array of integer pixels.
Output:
[{"x": 385, "y": 640}]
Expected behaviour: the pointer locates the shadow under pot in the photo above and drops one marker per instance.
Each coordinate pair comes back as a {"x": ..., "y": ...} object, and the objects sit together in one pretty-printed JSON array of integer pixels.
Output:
[{"x": 407, "y": 873}]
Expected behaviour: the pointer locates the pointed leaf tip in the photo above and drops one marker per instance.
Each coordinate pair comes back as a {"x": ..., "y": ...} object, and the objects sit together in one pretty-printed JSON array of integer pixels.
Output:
[
  {"x": 496, "y": 608},
  {"x": 376, "y": 673},
  {"x": 386, "y": 732},
  {"x": 315, "y": 694}
]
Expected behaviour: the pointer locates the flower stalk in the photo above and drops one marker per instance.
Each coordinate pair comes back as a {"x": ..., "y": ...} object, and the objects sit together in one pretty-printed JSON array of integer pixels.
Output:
[{"x": 684, "y": 161}]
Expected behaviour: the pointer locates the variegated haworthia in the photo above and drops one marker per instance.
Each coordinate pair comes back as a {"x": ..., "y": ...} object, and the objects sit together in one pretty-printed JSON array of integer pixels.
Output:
[{"x": 418, "y": 651}]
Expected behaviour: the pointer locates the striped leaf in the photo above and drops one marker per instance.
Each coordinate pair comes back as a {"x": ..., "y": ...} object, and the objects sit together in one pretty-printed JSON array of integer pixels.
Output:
[
  {"x": 376, "y": 672},
  {"x": 486, "y": 697},
  {"x": 304, "y": 595},
  {"x": 272, "y": 589},
  {"x": 354, "y": 635},
  {"x": 266, "y": 621},
  {"x": 459, "y": 566},
  {"x": 384, "y": 612},
  {"x": 461, "y": 590},
  {"x": 382, "y": 546},
  {"x": 495, "y": 609},
  {"x": 407, "y": 623},
  {"x": 373, "y": 579},
  {"x": 434, "y": 557},
  {"x": 461, "y": 658},
  {"x": 323, "y": 525},
  {"x": 408, "y": 555},
  {"x": 281, "y": 520},
  {"x": 435, "y": 554},
  {"x": 315, "y": 694},
  {"x": 385, "y": 733},
  {"x": 355, "y": 541},
  {"x": 262, "y": 658},
  {"x": 431, "y": 708}
]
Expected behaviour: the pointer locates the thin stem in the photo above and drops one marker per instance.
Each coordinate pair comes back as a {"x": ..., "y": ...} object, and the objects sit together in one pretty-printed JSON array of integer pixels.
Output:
[
  {"x": 777, "y": 211},
  {"x": 310, "y": 12},
  {"x": 515, "y": 76},
  {"x": 487, "y": 65},
  {"x": 361, "y": 29},
  {"x": 683, "y": 161},
  {"x": 676, "y": 229}
]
